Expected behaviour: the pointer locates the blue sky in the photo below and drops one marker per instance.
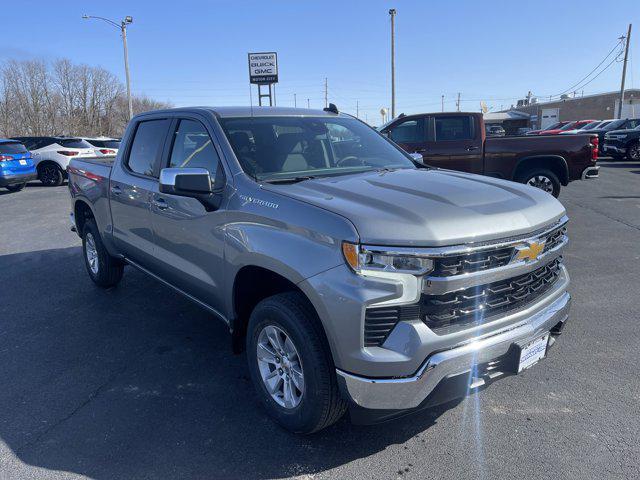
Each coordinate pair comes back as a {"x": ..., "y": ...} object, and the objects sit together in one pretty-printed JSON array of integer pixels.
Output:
[{"x": 195, "y": 52}]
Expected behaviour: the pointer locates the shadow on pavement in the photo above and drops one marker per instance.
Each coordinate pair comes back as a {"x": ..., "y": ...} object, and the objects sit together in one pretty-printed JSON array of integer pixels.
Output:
[
  {"x": 620, "y": 164},
  {"x": 138, "y": 382}
]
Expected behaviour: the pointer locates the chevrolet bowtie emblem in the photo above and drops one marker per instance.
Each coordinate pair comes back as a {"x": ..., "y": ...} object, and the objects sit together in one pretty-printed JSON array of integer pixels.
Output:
[{"x": 529, "y": 252}]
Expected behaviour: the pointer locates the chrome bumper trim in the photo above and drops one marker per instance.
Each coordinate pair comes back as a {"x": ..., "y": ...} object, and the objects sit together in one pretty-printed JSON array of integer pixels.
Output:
[
  {"x": 591, "y": 172},
  {"x": 410, "y": 392}
]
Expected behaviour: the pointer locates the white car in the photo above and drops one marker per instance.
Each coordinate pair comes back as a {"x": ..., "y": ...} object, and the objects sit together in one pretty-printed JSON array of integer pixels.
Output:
[
  {"x": 52, "y": 155},
  {"x": 105, "y": 146}
]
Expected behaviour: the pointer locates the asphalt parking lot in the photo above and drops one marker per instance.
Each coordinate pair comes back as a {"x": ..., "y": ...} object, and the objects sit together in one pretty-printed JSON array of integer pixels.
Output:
[{"x": 137, "y": 382}]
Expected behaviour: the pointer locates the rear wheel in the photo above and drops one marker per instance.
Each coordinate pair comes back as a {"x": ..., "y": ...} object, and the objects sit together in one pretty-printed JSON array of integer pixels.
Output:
[
  {"x": 50, "y": 174},
  {"x": 291, "y": 365},
  {"x": 16, "y": 188},
  {"x": 105, "y": 270},
  {"x": 543, "y": 179},
  {"x": 634, "y": 152}
]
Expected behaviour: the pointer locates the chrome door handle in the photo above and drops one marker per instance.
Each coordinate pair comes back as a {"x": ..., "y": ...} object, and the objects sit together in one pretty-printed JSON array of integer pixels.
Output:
[
  {"x": 116, "y": 190},
  {"x": 469, "y": 149},
  {"x": 160, "y": 204}
]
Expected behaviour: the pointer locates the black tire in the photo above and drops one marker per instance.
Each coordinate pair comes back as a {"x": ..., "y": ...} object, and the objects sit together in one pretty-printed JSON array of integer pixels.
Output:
[
  {"x": 108, "y": 270},
  {"x": 541, "y": 177},
  {"x": 16, "y": 188},
  {"x": 50, "y": 174},
  {"x": 321, "y": 403},
  {"x": 633, "y": 151}
]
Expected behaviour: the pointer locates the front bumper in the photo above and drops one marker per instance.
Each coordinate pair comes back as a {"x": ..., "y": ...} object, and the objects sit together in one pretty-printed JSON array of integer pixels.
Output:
[
  {"x": 399, "y": 394},
  {"x": 590, "y": 172},
  {"x": 17, "y": 178},
  {"x": 608, "y": 148}
]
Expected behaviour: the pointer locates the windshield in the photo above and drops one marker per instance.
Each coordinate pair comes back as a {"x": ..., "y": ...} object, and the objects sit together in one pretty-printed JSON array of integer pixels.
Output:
[
  {"x": 615, "y": 124},
  {"x": 569, "y": 126},
  {"x": 290, "y": 147},
  {"x": 590, "y": 126}
]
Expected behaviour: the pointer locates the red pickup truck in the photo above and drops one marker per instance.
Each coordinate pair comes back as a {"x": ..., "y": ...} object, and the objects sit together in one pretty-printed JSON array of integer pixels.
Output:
[{"x": 457, "y": 141}]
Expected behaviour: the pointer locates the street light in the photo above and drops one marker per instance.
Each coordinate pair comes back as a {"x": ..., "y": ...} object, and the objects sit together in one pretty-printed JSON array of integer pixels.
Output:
[{"x": 128, "y": 20}]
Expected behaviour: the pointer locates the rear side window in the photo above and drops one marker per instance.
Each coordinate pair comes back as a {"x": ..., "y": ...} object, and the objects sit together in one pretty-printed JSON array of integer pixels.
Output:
[
  {"x": 458, "y": 127},
  {"x": 409, "y": 131},
  {"x": 13, "y": 147},
  {"x": 74, "y": 143},
  {"x": 193, "y": 148},
  {"x": 146, "y": 147}
]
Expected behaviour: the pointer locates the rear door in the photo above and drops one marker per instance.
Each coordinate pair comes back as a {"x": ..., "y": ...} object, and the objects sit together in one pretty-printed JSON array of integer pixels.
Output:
[
  {"x": 133, "y": 182},
  {"x": 189, "y": 241},
  {"x": 454, "y": 141}
]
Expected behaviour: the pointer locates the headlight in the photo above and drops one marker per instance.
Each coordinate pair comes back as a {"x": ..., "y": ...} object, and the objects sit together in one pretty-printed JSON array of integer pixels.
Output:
[{"x": 362, "y": 259}]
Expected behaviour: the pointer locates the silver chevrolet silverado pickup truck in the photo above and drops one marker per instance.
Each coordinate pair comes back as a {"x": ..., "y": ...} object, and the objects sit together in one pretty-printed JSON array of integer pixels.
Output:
[{"x": 353, "y": 276}]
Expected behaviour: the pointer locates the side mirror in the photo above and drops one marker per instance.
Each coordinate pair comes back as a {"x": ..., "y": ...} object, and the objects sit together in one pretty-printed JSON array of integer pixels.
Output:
[{"x": 190, "y": 182}]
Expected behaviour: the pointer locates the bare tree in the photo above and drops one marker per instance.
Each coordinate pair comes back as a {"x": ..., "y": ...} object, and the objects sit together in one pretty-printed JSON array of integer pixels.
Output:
[{"x": 37, "y": 98}]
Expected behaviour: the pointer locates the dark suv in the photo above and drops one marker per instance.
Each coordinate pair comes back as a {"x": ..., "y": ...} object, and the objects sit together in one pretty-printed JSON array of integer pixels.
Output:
[{"x": 621, "y": 143}]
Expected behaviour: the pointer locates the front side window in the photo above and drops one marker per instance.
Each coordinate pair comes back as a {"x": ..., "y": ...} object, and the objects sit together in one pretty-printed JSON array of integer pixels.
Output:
[
  {"x": 287, "y": 147},
  {"x": 459, "y": 127},
  {"x": 409, "y": 131},
  {"x": 147, "y": 144},
  {"x": 193, "y": 148}
]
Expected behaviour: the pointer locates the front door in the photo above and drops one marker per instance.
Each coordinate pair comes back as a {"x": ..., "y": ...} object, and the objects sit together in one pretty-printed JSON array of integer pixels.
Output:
[
  {"x": 410, "y": 134},
  {"x": 189, "y": 241},
  {"x": 132, "y": 183}
]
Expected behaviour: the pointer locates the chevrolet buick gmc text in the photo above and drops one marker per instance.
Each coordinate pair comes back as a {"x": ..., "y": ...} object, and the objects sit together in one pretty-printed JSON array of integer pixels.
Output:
[{"x": 353, "y": 276}]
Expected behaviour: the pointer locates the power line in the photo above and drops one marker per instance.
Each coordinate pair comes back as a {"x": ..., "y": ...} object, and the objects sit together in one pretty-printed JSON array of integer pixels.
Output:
[{"x": 572, "y": 87}]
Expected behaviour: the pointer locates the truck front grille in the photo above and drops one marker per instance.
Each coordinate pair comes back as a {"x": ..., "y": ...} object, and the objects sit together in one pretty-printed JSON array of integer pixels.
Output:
[
  {"x": 490, "y": 258},
  {"x": 474, "y": 305}
]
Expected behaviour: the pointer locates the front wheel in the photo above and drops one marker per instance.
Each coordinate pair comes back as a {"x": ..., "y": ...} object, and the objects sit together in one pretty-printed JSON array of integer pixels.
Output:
[
  {"x": 634, "y": 152},
  {"x": 16, "y": 188},
  {"x": 543, "y": 179},
  {"x": 291, "y": 365}
]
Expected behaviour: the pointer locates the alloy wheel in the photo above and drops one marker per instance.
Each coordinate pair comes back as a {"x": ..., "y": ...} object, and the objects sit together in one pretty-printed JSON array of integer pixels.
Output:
[
  {"x": 49, "y": 175},
  {"x": 91, "y": 253},
  {"x": 634, "y": 151},
  {"x": 542, "y": 182},
  {"x": 280, "y": 366}
]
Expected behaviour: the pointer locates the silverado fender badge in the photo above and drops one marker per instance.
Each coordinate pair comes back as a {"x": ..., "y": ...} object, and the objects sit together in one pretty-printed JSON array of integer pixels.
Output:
[{"x": 529, "y": 251}]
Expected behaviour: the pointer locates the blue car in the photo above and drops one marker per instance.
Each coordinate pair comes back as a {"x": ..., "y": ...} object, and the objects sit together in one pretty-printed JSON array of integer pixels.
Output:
[{"x": 16, "y": 165}]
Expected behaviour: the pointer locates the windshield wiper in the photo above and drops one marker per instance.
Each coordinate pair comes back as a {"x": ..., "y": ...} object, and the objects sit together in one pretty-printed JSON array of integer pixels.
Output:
[{"x": 297, "y": 179}]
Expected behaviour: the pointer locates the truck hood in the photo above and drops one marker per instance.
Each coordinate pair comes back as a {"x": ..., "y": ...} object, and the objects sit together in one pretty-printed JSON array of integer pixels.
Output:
[{"x": 428, "y": 207}]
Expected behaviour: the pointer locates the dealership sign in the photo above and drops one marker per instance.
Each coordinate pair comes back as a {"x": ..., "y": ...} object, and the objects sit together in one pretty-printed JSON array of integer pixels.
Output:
[{"x": 263, "y": 68}]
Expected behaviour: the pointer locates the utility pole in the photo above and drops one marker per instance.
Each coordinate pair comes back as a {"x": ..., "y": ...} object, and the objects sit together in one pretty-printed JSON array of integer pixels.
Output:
[
  {"x": 443, "y": 103},
  {"x": 624, "y": 71},
  {"x": 458, "y": 102},
  {"x": 295, "y": 103},
  {"x": 308, "y": 103},
  {"x": 123, "y": 30},
  {"x": 392, "y": 12},
  {"x": 326, "y": 93},
  {"x": 357, "y": 109}
]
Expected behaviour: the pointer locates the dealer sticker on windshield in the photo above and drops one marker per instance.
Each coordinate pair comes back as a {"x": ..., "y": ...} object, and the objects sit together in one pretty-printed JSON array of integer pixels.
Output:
[{"x": 533, "y": 352}]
